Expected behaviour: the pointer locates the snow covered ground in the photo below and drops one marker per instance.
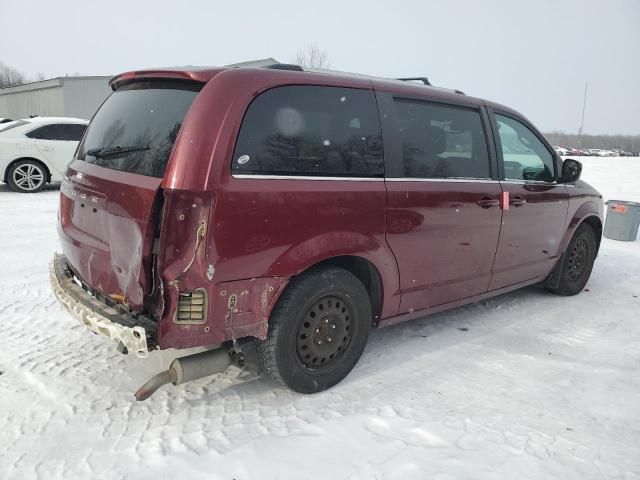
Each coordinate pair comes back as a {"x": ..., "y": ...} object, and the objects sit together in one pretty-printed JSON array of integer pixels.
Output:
[{"x": 526, "y": 385}]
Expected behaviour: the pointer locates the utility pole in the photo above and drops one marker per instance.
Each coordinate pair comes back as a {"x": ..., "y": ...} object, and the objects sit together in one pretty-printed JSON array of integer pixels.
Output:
[{"x": 584, "y": 104}]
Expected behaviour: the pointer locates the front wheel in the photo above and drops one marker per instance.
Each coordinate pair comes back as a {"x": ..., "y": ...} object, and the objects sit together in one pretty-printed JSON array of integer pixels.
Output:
[
  {"x": 27, "y": 176},
  {"x": 317, "y": 331},
  {"x": 577, "y": 263}
]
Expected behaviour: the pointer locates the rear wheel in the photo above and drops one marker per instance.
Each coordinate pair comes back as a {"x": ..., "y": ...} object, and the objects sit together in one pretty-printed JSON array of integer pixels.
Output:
[
  {"x": 577, "y": 262},
  {"x": 27, "y": 176},
  {"x": 317, "y": 331}
]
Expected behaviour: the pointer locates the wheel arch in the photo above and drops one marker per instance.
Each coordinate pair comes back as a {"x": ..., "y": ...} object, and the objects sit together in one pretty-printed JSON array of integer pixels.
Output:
[
  {"x": 5, "y": 179},
  {"x": 596, "y": 224},
  {"x": 368, "y": 258},
  {"x": 587, "y": 212}
]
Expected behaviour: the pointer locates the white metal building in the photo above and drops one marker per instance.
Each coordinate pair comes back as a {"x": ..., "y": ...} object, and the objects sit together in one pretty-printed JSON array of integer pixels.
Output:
[{"x": 76, "y": 97}]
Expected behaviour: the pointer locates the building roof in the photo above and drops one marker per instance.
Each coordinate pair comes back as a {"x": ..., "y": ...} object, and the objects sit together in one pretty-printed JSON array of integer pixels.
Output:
[{"x": 49, "y": 83}]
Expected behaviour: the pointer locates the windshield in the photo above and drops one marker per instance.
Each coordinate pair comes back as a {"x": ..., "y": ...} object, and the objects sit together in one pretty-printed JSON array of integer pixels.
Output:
[{"x": 135, "y": 129}]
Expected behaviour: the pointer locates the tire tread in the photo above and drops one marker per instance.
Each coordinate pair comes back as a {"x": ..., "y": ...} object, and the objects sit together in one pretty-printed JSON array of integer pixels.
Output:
[
  {"x": 267, "y": 349},
  {"x": 564, "y": 288}
]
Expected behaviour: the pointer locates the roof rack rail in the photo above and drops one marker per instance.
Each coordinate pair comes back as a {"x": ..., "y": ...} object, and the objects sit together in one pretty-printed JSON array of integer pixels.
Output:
[
  {"x": 285, "y": 66},
  {"x": 424, "y": 80}
]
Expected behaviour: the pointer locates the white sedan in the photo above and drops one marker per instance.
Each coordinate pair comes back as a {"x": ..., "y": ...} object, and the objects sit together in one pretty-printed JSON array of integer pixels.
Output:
[{"x": 36, "y": 151}]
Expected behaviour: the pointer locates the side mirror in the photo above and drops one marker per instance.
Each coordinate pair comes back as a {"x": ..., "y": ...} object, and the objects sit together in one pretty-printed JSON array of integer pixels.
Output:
[{"x": 571, "y": 170}]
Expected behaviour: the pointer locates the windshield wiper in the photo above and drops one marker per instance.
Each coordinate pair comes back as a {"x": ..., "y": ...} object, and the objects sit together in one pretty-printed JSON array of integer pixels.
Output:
[{"x": 111, "y": 151}]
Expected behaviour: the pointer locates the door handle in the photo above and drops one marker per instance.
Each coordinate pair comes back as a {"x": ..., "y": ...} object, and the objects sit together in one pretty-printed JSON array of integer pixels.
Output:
[
  {"x": 517, "y": 201},
  {"x": 488, "y": 202}
]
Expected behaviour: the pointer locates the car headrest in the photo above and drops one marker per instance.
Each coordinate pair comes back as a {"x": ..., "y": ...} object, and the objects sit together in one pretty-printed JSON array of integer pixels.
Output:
[{"x": 436, "y": 140}]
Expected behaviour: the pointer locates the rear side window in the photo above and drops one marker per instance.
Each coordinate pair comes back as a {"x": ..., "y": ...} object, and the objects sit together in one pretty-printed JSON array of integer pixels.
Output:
[
  {"x": 47, "y": 132},
  {"x": 524, "y": 155},
  {"x": 61, "y": 131},
  {"x": 307, "y": 130},
  {"x": 143, "y": 120},
  {"x": 73, "y": 131},
  {"x": 441, "y": 141}
]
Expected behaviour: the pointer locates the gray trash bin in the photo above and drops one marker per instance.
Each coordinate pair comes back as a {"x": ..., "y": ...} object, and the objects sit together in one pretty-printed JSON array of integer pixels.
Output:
[{"x": 623, "y": 220}]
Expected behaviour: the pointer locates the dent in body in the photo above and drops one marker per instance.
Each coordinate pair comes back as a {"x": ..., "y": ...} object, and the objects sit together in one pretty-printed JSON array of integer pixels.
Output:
[
  {"x": 107, "y": 233},
  {"x": 126, "y": 258},
  {"x": 185, "y": 263},
  {"x": 249, "y": 314}
]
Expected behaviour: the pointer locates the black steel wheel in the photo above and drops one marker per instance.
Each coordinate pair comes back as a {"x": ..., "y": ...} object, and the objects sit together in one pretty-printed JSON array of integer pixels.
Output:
[
  {"x": 577, "y": 262},
  {"x": 323, "y": 335},
  {"x": 318, "y": 330}
]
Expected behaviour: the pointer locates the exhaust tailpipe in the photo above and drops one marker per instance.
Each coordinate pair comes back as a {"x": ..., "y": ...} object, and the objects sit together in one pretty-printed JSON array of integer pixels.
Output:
[
  {"x": 191, "y": 367},
  {"x": 154, "y": 383}
]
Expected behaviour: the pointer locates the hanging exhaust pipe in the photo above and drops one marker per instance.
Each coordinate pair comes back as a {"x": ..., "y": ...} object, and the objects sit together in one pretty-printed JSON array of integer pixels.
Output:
[{"x": 191, "y": 367}]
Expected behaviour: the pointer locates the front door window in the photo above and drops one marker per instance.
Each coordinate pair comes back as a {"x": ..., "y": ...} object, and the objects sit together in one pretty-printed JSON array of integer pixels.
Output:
[{"x": 525, "y": 156}]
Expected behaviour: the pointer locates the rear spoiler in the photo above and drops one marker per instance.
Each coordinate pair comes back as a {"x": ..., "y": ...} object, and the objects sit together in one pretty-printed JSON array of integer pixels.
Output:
[{"x": 194, "y": 75}]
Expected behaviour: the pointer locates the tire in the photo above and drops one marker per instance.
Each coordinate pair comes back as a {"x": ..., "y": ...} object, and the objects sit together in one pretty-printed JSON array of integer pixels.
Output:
[
  {"x": 27, "y": 176},
  {"x": 328, "y": 305},
  {"x": 577, "y": 262}
]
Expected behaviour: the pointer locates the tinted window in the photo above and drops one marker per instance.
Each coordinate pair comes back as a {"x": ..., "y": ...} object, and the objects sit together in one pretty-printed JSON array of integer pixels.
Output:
[
  {"x": 73, "y": 131},
  {"x": 47, "y": 132},
  {"x": 303, "y": 130},
  {"x": 525, "y": 156},
  {"x": 146, "y": 116},
  {"x": 62, "y": 131},
  {"x": 440, "y": 141}
]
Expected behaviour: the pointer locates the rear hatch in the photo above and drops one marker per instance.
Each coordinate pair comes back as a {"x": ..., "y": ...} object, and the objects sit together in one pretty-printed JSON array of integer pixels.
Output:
[{"x": 111, "y": 194}]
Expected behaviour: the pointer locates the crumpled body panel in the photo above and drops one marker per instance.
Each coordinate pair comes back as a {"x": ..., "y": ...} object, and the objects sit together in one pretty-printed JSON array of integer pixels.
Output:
[{"x": 106, "y": 229}]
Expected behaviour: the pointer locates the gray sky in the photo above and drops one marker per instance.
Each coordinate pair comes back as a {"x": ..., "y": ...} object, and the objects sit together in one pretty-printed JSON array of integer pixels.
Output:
[{"x": 534, "y": 56}]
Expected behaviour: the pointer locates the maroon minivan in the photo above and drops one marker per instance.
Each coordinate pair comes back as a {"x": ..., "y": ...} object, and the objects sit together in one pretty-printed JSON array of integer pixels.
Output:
[{"x": 301, "y": 209}]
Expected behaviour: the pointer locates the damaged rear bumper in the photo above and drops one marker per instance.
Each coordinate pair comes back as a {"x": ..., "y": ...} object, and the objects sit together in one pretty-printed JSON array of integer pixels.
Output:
[{"x": 136, "y": 332}]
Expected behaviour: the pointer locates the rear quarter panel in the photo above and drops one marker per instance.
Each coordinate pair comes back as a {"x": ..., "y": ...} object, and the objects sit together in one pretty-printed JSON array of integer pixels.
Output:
[
  {"x": 260, "y": 231},
  {"x": 281, "y": 227}
]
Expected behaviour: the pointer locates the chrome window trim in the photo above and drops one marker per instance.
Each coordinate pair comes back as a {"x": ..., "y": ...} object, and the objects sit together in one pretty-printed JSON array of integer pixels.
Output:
[
  {"x": 392, "y": 179},
  {"x": 448, "y": 180},
  {"x": 305, "y": 177},
  {"x": 531, "y": 182}
]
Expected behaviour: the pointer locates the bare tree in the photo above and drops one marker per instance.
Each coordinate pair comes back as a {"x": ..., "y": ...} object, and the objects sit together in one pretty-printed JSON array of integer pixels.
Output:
[
  {"x": 10, "y": 76},
  {"x": 313, "y": 57}
]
